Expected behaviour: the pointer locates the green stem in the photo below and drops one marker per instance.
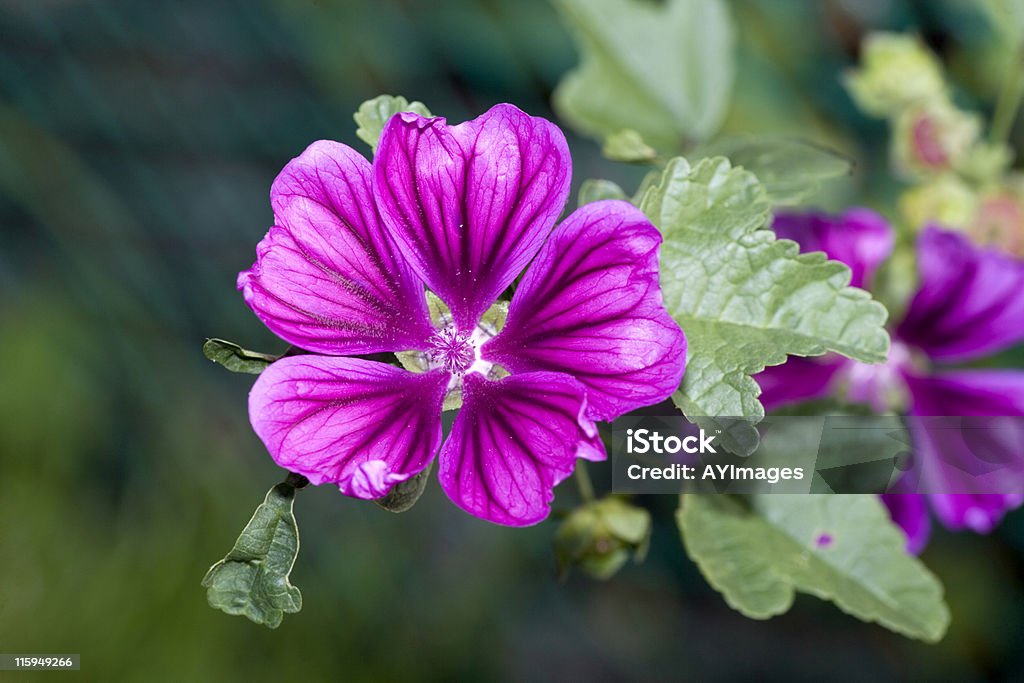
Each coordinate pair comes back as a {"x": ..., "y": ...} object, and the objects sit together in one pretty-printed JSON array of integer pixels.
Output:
[
  {"x": 1009, "y": 99},
  {"x": 583, "y": 482}
]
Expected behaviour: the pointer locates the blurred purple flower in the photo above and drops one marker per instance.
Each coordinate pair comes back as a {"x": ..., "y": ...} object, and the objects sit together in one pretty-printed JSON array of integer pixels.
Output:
[
  {"x": 462, "y": 209},
  {"x": 970, "y": 303}
]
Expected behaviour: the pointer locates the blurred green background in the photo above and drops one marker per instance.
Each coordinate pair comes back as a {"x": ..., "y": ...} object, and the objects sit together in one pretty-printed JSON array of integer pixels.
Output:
[{"x": 138, "y": 141}]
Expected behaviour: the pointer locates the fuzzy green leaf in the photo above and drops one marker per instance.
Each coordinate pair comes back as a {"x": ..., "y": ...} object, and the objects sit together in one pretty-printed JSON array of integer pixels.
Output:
[
  {"x": 596, "y": 189},
  {"x": 374, "y": 114},
  {"x": 664, "y": 69},
  {"x": 842, "y": 548},
  {"x": 235, "y": 358},
  {"x": 745, "y": 299},
  {"x": 628, "y": 146},
  {"x": 253, "y": 579},
  {"x": 791, "y": 170}
]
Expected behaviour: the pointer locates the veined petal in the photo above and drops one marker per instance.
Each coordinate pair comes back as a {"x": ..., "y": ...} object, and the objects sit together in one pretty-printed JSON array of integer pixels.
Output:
[
  {"x": 326, "y": 278},
  {"x": 860, "y": 238},
  {"x": 798, "y": 379},
  {"x": 590, "y": 306},
  {"x": 948, "y": 455},
  {"x": 513, "y": 441},
  {"x": 968, "y": 392},
  {"x": 970, "y": 302},
  {"x": 470, "y": 205},
  {"x": 356, "y": 423}
]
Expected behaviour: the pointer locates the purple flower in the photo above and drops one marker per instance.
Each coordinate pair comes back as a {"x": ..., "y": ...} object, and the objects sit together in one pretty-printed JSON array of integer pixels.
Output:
[
  {"x": 970, "y": 303},
  {"x": 462, "y": 210}
]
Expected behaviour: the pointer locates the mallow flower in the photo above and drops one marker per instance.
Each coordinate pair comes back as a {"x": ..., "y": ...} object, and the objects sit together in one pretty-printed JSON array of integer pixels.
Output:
[
  {"x": 969, "y": 304},
  {"x": 459, "y": 210}
]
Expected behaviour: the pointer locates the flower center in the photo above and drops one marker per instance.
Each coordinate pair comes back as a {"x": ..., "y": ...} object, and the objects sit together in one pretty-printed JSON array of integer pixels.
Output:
[
  {"x": 452, "y": 350},
  {"x": 457, "y": 352}
]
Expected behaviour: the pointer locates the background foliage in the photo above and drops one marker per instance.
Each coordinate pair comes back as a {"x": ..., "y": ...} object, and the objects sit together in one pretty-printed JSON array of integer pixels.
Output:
[{"x": 137, "y": 145}]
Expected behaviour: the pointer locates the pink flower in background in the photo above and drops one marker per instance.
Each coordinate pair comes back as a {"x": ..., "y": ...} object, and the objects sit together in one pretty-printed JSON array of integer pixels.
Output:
[
  {"x": 969, "y": 304},
  {"x": 462, "y": 210}
]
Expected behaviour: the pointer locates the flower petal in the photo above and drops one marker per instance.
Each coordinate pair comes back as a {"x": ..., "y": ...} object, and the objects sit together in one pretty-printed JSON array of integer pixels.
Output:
[
  {"x": 968, "y": 392},
  {"x": 980, "y": 513},
  {"x": 590, "y": 306},
  {"x": 798, "y": 379},
  {"x": 950, "y": 460},
  {"x": 513, "y": 441},
  {"x": 970, "y": 302},
  {"x": 356, "y": 423},
  {"x": 326, "y": 278},
  {"x": 910, "y": 513},
  {"x": 592, "y": 447},
  {"x": 470, "y": 205},
  {"x": 860, "y": 238}
]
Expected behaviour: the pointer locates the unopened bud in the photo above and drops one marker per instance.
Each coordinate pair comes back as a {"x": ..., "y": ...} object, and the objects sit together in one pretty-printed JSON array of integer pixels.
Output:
[
  {"x": 1000, "y": 220},
  {"x": 896, "y": 72},
  {"x": 934, "y": 137},
  {"x": 946, "y": 201},
  {"x": 600, "y": 536}
]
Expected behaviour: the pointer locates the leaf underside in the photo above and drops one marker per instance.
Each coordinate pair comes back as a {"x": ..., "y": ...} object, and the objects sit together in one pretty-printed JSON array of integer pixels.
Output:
[
  {"x": 842, "y": 548},
  {"x": 664, "y": 70},
  {"x": 253, "y": 579}
]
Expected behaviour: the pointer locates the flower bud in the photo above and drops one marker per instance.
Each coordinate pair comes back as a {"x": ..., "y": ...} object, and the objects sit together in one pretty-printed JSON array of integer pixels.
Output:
[
  {"x": 1000, "y": 220},
  {"x": 405, "y": 494},
  {"x": 896, "y": 71},
  {"x": 600, "y": 536},
  {"x": 933, "y": 137},
  {"x": 946, "y": 200},
  {"x": 986, "y": 163}
]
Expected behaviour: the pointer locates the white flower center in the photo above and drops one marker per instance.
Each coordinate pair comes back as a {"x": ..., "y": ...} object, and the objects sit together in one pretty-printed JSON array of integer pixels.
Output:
[{"x": 458, "y": 353}]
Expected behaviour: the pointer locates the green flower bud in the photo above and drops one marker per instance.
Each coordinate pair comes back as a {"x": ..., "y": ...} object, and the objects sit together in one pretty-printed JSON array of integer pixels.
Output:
[
  {"x": 896, "y": 71},
  {"x": 934, "y": 137},
  {"x": 405, "y": 494},
  {"x": 600, "y": 536},
  {"x": 945, "y": 200},
  {"x": 986, "y": 163}
]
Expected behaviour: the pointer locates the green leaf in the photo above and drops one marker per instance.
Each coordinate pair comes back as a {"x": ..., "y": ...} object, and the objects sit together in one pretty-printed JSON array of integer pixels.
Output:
[
  {"x": 841, "y": 548},
  {"x": 1007, "y": 16},
  {"x": 791, "y": 170},
  {"x": 628, "y": 146},
  {"x": 596, "y": 189},
  {"x": 374, "y": 114},
  {"x": 253, "y": 579},
  {"x": 664, "y": 69},
  {"x": 745, "y": 299},
  {"x": 235, "y": 358}
]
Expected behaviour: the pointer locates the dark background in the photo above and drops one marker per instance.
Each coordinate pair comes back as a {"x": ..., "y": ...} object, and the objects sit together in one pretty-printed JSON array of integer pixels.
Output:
[{"x": 138, "y": 141}]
